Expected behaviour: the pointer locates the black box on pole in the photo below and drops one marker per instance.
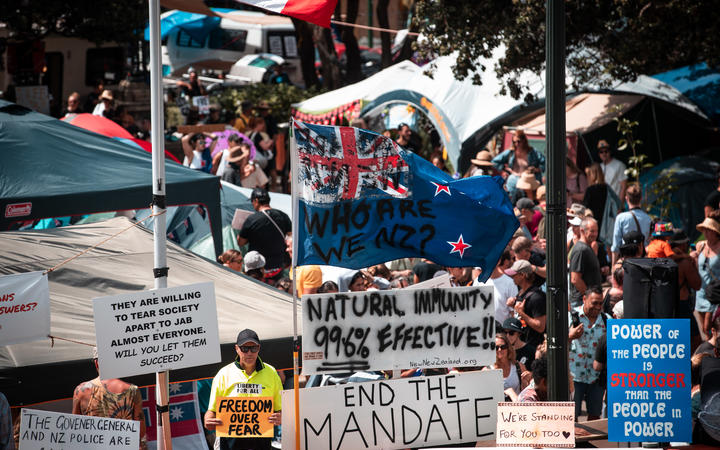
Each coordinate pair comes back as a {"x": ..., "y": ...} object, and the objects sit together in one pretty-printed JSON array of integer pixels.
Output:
[{"x": 650, "y": 288}]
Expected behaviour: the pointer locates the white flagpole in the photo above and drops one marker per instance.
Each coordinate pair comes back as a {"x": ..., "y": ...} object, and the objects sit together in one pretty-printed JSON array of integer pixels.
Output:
[
  {"x": 295, "y": 214},
  {"x": 159, "y": 230}
]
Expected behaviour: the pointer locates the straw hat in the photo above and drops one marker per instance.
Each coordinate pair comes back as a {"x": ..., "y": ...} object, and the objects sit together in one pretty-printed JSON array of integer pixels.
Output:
[
  {"x": 540, "y": 194},
  {"x": 527, "y": 181},
  {"x": 709, "y": 224},
  {"x": 483, "y": 159}
]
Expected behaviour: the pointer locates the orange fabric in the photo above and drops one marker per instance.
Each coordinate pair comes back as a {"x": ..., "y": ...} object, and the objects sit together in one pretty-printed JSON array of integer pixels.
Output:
[
  {"x": 659, "y": 249},
  {"x": 308, "y": 277}
]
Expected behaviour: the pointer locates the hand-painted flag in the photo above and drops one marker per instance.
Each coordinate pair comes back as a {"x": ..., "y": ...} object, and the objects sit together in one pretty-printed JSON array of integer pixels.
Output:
[
  {"x": 313, "y": 11},
  {"x": 362, "y": 200},
  {"x": 185, "y": 421}
]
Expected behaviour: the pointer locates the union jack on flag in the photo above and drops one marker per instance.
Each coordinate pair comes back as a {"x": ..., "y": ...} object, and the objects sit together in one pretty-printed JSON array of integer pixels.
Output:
[{"x": 344, "y": 163}]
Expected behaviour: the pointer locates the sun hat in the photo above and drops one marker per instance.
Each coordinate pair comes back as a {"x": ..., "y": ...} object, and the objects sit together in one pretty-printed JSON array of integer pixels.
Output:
[
  {"x": 708, "y": 224},
  {"x": 527, "y": 181},
  {"x": 540, "y": 193},
  {"x": 662, "y": 229},
  {"x": 519, "y": 266},
  {"x": 483, "y": 159}
]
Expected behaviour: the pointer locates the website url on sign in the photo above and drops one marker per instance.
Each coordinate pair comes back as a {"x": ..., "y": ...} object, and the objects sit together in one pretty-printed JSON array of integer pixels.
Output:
[{"x": 439, "y": 362}]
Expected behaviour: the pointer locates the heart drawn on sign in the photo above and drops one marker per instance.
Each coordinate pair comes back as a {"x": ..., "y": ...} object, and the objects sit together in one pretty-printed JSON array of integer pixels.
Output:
[{"x": 566, "y": 434}]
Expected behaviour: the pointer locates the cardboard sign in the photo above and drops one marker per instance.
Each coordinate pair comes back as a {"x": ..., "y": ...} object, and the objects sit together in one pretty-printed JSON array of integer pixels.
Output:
[
  {"x": 42, "y": 430},
  {"x": 156, "y": 330},
  {"x": 36, "y": 98},
  {"x": 239, "y": 218},
  {"x": 245, "y": 417},
  {"x": 398, "y": 329},
  {"x": 540, "y": 424},
  {"x": 649, "y": 380},
  {"x": 24, "y": 308},
  {"x": 404, "y": 413}
]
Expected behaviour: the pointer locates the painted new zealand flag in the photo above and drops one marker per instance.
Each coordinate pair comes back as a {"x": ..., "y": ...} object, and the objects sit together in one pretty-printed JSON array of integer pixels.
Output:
[{"x": 363, "y": 200}]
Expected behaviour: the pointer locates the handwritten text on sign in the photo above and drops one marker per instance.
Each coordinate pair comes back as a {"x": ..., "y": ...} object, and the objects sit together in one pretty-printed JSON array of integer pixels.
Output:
[
  {"x": 543, "y": 424},
  {"x": 50, "y": 430},
  {"x": 398, "y": 329},
  {"x": 157, "y": 330},
  {"x": 649, "y": 380},
  {"x": 245, "y": 417},
  {"x": 408, "y": 412},
  {"x": 24, "y": 308}
]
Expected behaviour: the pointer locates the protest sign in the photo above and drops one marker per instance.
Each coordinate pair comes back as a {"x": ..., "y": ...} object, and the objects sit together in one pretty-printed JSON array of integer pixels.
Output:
[
  {"x": 202, "y": 102},
  {"x": 24, "y": 308},
  {"x": 398, "y": 329},
  {"x": 536, "y": 424},
  {"x": 649, "y": 380},
  {"x": 40, "y": 430},
  {"x": 441, "y": 281},
  {"x": 156, "y": 330},
  {"x": 244, "y": 417},
  {"x": 408, "y": 412}
]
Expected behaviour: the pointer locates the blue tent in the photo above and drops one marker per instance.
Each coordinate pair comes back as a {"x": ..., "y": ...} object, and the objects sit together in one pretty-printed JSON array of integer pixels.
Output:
[{"x": 198, "y": 26}]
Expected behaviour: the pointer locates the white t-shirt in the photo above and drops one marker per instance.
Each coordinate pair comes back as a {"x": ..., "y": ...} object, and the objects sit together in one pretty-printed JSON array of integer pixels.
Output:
[
  {"x": 504, "y": 289},
  {"x": 614, "y": 174},
  {"x": 223, "y": 163}
]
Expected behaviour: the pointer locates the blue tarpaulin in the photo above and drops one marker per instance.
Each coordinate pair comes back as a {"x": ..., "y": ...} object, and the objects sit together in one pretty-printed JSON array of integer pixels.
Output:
[{"x": 198, "y": 26}]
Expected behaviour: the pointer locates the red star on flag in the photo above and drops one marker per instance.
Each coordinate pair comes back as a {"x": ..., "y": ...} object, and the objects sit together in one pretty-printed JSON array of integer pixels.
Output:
[
  {"x": 460, "y": 246},
  {"x": 440, "y": 188}
]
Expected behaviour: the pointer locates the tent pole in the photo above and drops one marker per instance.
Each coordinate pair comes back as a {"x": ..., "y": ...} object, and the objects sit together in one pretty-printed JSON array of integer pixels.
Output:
[
  {"x": 657, "y": 130},
  {"x": 159, "y": 230},
  {"x": 296, "y": 343},
  {"x": 557, "y": 302}
]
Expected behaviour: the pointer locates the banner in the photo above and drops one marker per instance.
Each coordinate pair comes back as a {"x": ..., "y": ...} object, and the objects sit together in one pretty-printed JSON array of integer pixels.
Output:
[
  {"x": 536, "y": 424},
  {"x": 185, "y": 416},
  {"x": 362, "y": 200},
  {"x": 24, "y": 308},
  {"x": 244, "y": 417},
  {"x": 408, "y": 412},
  {"x": 398, "y": 329},
  {"x": 42, "y": 430},
  {"x": 156, "y": 330},
  {"x": 649, "y": 380}
]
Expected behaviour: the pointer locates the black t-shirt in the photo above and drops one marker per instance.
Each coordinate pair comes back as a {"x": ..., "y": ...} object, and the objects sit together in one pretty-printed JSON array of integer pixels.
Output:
[
  {"x": 713, "y": 200},
  {"x": 264, "y": 237},
  {"x": 535, "y": 306},
  {"x": 425, "y": 271},
  {"x": 595, "y": 197},
  {"x": 525, "y": 355},
  {"x": 584, "y": 261},
  {"x": 705, "y": 347}
]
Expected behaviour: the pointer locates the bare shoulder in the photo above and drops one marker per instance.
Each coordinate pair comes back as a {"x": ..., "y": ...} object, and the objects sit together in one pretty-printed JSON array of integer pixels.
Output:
[{"x": 83, "y": 387}]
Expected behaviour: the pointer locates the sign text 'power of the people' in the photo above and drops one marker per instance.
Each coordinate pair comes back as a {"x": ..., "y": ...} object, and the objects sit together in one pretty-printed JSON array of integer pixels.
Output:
[
  {"x": 398, "y": 329},
  {"x": 157, "y": 330},
  {"x": 649, "y": 380},
  {"x": 403, "y": 413}
]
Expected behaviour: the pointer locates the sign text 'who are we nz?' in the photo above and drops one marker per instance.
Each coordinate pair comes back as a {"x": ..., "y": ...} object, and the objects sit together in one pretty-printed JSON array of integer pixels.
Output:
[
  {"x": 156, "y": 330},
  {"x": 398, "y": 329}
]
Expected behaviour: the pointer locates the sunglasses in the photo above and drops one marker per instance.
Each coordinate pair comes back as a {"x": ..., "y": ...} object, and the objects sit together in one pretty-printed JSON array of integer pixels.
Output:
[
  {"x": 510, "y": 332},
  {"x": 249, "y": 348},
  {"x": 501, "y": 347},
  {"x": 603, "y": 149}
]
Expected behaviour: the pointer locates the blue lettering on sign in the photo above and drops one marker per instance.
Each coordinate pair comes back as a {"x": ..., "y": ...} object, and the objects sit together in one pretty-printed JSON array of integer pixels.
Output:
[{"x": 649, "y": 380}]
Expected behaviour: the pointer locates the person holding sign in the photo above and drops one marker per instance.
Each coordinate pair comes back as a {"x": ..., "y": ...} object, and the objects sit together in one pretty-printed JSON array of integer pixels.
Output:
[
  {"x": 247, "y": 377},
  {"x": 110, "y": 398}
]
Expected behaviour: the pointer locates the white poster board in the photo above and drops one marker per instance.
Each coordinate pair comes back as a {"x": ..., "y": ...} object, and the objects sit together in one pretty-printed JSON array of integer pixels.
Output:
[
  {"x": 398, "y": 329},
  {"x": 42, "y": 430},
  {"x": 24, "y": 308},
  {"x": 203, "y": 104},
  {"x": 536, "y": 424},
  {"x": 441, "y": 281},
  {"x": 156, "y": 330},
  {"x": 36, "y": 98},
  {"x": 404, "y": 413}
]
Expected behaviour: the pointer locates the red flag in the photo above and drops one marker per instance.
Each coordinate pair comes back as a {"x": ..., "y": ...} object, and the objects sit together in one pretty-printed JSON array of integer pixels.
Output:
[{"x": 313, "y": 11}]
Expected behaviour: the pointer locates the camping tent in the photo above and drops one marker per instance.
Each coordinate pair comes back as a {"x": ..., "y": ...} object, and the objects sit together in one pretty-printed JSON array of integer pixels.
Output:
[
  {"x": 49, "y": 168},
  {"x": 123, "y": 264},
  {"x": 700, "y": 84},
  {"x": 670, "y": 125}
]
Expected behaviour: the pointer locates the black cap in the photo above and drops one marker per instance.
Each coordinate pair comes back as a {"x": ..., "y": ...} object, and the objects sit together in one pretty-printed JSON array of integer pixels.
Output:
[
  {"x": 512, "y": 324},
  {"x": 525, "y": 203},
  {"x": 260, "y": 195},
  {"x": 247, "y": 335},
  {"x": 679, "y": 236},
  {"x": 633, "y": 238}
]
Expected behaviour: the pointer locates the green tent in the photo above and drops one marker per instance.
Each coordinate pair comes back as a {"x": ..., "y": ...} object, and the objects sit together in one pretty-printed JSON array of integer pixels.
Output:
[{"x": 49, "y": 168}]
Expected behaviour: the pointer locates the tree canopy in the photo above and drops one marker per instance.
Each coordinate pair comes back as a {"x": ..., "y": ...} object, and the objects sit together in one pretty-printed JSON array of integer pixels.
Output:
[{"x": 605, "y": 39}]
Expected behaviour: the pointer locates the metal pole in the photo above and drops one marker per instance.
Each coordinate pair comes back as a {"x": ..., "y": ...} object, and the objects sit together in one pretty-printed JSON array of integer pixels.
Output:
[
  {"x": 557, "y": 299},
  {"x": 370, "y": 23},
  {"x": 295, "y": 225},
  {"x": 159, "y": 230}
]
